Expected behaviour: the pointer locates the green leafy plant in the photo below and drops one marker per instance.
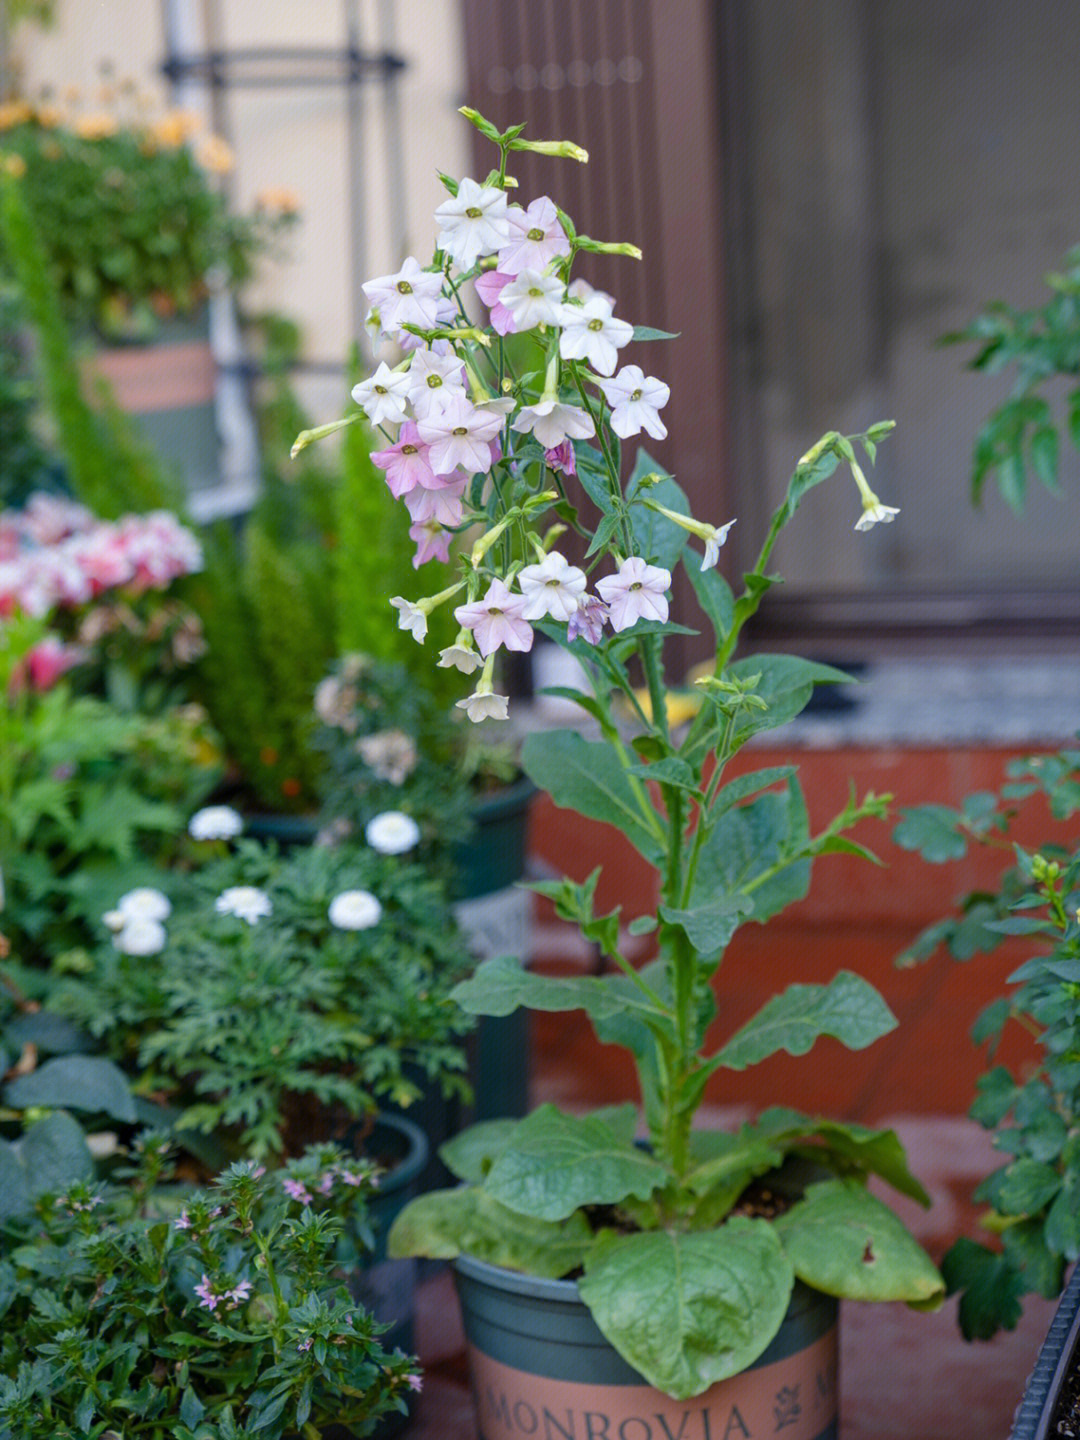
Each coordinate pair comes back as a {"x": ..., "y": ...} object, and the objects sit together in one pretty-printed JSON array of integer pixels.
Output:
[
  {"x": 268, "y": 1009},
  {"x": 122, "y": 1313},
  {"x": 127, "y": 210},
  {"x": 1022, "y": 436},
  {"x": 674, "y": 1228},
  {"x": 89, "y": 795},
  {"x": 1032, "y": 1219}
]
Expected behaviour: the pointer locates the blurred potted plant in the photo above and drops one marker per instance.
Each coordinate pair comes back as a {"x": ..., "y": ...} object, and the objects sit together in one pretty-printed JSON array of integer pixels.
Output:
[
  {"x": 688, "y": 1247},
  {"x": 134, "y": 230},
  {"x": 229, "y": 1316}
]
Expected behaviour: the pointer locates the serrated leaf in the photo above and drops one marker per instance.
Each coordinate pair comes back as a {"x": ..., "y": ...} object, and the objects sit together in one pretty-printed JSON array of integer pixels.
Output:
[
  {"x": 990, "y": 1286},
  {"x": 1026, "y": 1186},
  {"x": 557, "y": 1163},
  {"x": 76, "y": 1082},
  {"x": 587, "y": 776},
  {"x": 847, "y": 1008},
  {"x": 668, "y": 771},
  {"x": 844, "y": 1241},
  {"x": 191, "y": 1408},
  {"x": 933, "y": 830},
  {"x": 688, "y": 1310}
]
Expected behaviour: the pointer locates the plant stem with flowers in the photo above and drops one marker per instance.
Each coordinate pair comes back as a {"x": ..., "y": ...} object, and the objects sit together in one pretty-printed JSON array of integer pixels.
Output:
[{"x": 663, "y": 1230}]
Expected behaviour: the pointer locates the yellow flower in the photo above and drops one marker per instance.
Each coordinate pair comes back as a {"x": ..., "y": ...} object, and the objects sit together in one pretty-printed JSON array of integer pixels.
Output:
[
  {"x": 279, "y": 199},
  {"x": 96, "y": 127},
  {"x": 49, "y": 116},
  {"x": 14, "y": 112},
  {"x": 175, "y": 128},
  {"x": 13, "y": 165},
  {"x": 215, "y": 155}
]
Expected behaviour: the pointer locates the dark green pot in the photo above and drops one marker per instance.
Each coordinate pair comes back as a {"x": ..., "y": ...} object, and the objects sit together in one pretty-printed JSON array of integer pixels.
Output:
[{"x": 540, "y": 1366}]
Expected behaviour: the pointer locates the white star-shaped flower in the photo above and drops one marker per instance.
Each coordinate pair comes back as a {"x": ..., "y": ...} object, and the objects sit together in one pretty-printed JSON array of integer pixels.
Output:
[
  {"x": 551, "y": 587},
  {"x": 636, "y": 400},
  {"x": 412, "y": 296},
  {"x": 533, "y": 299},
  {"x": 536, "y": 238},
  {"x": 876, "y": 514},
  {"x": 498, "y": 619},
  {"x": 412, "y": 618},
  {"x": 552, "y": 422},
  {"x": 433, "y": 379},
  {"x": 384, "y": 396},
  {"x": 460, "y": 435},
  {"x": 473, "y": 223},
  {"x": 591, "y": 332},
  {"x": 484, "y": 705}
]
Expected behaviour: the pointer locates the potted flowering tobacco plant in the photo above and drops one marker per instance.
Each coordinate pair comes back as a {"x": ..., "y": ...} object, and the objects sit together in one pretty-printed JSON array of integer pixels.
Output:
[{"x": 686, "y": 1262}]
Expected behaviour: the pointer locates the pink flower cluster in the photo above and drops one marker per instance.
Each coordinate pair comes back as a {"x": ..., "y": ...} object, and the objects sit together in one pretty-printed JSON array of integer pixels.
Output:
[{"x": 56, "y": 553}]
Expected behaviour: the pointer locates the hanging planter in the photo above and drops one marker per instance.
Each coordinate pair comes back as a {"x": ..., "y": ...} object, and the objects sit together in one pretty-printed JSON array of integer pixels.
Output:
[{"x": 540, "y": 1366}]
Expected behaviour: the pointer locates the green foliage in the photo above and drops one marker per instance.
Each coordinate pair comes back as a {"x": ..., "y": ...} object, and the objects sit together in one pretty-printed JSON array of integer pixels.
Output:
[
  {"x": 1021, "y": 437},
  {"x": 86, "y": 791},
  {"x": 254, "y": 1028},
  {"x": 1034, "y": 1198},
  {"x": 108, "y": 468},
  {"x": 229, "y": 1317},
  {"x": 24, "y": 464},
  {"x": 129, "y": 222}
]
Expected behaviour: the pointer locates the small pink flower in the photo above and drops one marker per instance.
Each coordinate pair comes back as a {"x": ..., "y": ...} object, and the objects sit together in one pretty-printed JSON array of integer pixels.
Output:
[
  {"x": 587, "y": 621},
  {"x": 536, "y": 237},
  {"x": 414, "y": 1382},
  {"x": 238, "y": 1294},
  {"x": 561, "y": 458},
  {"x": 296, "y": 1190},
  {"x": 48, "y": 660},
  {"x": 489, "y": 287},
  {"x": 497, "y": 619},
  {"x": 406, "y": 463},
  {"x": 461, "y": 436},
  {"x": 205, "y": 1291},
  {"x": 636, "y": 592},
  {"x": 183, "y": 1221},
  {"x": 432, "y": 542},
  {"x": 306, "y": 1344}
]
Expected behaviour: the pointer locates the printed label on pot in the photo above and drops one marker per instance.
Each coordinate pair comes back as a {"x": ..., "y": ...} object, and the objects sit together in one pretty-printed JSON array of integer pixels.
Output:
[{"x": 794, "y": 1398}]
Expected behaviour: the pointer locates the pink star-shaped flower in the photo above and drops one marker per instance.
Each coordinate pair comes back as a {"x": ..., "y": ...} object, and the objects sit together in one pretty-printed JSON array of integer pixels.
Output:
[
  {"x": 460, "y": 436},
  {"x": 497, "y": 619},
  {"x": 636, "y": 592},
  {"x": 406, "y": 463},
  {"x": 536, "y": 237}
]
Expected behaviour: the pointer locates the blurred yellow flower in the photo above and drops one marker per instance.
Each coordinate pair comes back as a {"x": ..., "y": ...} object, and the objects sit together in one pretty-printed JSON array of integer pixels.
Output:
[
  {"x": 13, "y": 165},
  {"x": 215, "y": 155},
  {"x": 175, "y": 128},
  {"x": 278, "y": 198},
  {"x": 95, "y": 127},
  {"x": 14, "y": 112}
]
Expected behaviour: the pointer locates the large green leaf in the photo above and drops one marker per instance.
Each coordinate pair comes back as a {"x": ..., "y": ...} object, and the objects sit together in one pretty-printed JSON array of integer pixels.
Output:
[
  {"x": 588, "y": 776},
  {"x": 844, "y": 1241},
  {"x": 556, "y": 1163},
  {"x": 446, "y": 1223},
  {"x": 724, "y": 1166},
  {"x": 786, "y": 684},
  {"x": 714, "y": 596},
  {"x": 842, "y": 1146},
  {"x": 746, "y": 845},
  {"x": 688, "y": 1310},
  {"x": 659, "y": 539},
  {"x": 470, "y": 1154},
  {"x": 847, "y": 1008},
  {"x": 77, "y": 1082},
  {"x": 933, "y": 830},
  {"x": 502, "y": 985},
  {"x": 49, "y": 1156},
  {"x": 709, "y": 924},
  {"x": 15, "y": 1197}
]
